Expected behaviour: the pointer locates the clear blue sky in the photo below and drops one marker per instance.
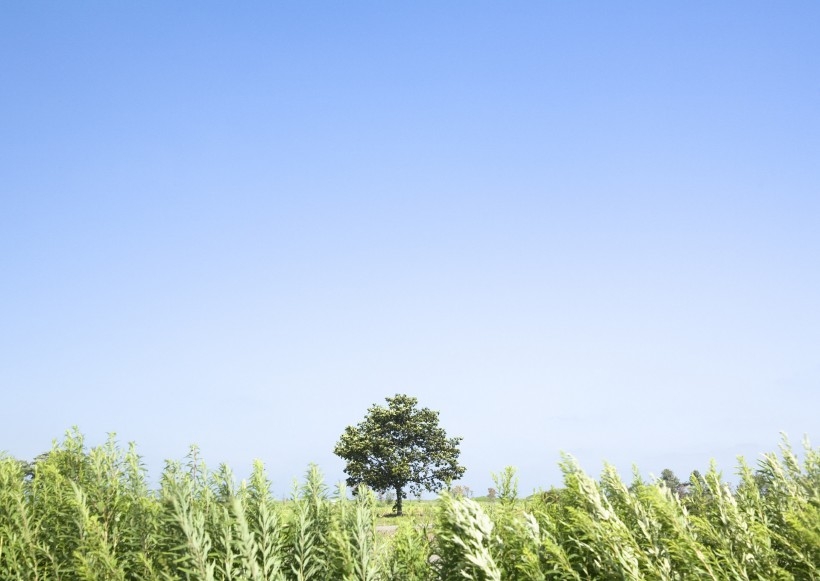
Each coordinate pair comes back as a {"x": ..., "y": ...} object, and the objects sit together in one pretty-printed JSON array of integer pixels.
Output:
[{"x": 580, "y": 226}]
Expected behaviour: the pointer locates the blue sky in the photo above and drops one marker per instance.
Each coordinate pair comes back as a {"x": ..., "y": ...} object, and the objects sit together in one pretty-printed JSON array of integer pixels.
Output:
[{"x": 591, "y": 227}]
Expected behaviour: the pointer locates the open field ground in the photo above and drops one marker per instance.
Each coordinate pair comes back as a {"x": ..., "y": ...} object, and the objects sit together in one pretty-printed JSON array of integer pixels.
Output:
[{"x": 89, "y": 514}]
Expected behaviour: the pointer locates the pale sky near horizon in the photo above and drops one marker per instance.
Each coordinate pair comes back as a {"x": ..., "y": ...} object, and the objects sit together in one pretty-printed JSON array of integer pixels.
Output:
[{"x": 590, "y": 227}]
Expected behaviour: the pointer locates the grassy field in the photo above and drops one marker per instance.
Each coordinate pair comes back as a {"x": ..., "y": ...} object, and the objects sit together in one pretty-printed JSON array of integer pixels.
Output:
[
  {"x": 88, "y": 514},
  {"x": 419, "y": 512}
]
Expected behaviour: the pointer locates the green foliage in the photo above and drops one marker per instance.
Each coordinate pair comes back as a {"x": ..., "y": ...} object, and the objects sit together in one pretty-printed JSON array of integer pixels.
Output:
[
  {"x": 409, "y": 554},
  {"x": 516, "y": 543},
  {"x": 506, "y": 484},
  {"x": 399, "y": 447},
  {"x": 669, "y": 479},
  {"x": 352, "y": 539},
  {"x": 463, "y": 539},
  {"x": 81, "y": 514}
]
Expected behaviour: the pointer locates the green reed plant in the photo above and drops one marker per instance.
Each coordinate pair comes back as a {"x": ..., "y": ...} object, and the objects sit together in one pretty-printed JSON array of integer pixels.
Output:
[
  {"x": 516, "y": 539},
  {"x": 409, "y": 553},
  {"x": 353, "y": 550},
  {"x": 463, "y": 534},
  {"x": 308, "y": 529},
  {"x": 80, "y": 513},
  {"x": 23, "y": 555},
  {"x": 265, "y": 524}
]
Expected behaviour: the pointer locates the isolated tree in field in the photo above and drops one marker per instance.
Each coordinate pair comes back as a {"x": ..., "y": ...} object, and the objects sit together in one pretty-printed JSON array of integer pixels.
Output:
[{"x": 399, "y": 447}]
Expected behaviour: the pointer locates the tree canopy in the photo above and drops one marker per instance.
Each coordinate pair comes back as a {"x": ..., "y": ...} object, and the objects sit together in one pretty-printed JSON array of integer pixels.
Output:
[{"x": 399, "y": 447}]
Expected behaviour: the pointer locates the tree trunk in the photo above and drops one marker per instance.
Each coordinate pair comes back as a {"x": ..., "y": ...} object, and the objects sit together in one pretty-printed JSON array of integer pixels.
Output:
[{"x": 399, "y": 495}]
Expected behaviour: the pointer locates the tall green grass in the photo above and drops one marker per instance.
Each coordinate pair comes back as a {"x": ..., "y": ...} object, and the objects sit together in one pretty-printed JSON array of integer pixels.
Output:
[{"x": 89, "y": 514}]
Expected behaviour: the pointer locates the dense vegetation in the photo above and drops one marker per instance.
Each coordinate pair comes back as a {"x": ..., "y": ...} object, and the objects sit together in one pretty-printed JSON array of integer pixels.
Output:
[{"x": 89, "y": 514}]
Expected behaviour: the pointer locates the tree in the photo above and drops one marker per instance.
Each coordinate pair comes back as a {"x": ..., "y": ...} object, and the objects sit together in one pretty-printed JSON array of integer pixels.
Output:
[
  {"x": 399, "y": 447},
  {"x": 672, "y": 482}
]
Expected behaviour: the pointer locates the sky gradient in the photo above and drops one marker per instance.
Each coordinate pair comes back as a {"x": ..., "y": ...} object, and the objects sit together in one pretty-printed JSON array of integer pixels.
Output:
[{"x": 590, "y": 227}]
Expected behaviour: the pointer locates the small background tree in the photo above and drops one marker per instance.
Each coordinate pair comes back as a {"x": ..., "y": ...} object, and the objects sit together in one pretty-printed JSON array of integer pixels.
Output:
[
  {"x": 461, "y": 491},
  {"x": 672, "y": 482},
  {"x": 399, "y": 447}
]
